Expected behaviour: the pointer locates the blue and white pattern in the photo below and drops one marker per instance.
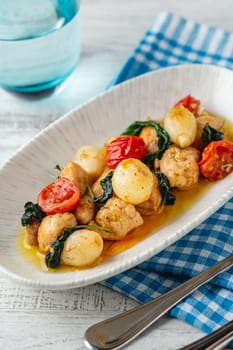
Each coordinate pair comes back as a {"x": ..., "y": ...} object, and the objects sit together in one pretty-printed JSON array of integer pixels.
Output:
[{"x": 173, "y": 40}]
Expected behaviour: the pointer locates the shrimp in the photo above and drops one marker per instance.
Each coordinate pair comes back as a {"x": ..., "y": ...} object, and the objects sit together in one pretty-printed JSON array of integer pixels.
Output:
[
  {"x": 153, "y": 204},
  {"x": 203, "y": 119},
  {"x": 75, "y": 173},
  {"x": 96, "y": 187},
  {"x": 181, "y": 166},
  {"x": 32, "y": 232},
  {"x": 85, "y": 210},
  {"x": 52, "y": 227},
  {"x": 118, "y": 216}
]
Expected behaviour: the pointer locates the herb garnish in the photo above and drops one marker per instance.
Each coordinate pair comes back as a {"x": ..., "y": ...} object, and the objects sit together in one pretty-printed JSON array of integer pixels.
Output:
[
  {"x": 165, "y": 189},
  {"x": 210, "y": 134},
  {"x": 31, "y": 211},
  {"x": 53, "y": 257},
  {"x": 163, "y": 138},
  {"x": 57, "y": 167}
]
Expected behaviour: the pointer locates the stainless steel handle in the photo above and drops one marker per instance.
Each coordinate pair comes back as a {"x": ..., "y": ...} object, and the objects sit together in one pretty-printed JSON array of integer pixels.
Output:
[
  {"x": 214, "y": 341},
  {"x": 119, "y": 330}
]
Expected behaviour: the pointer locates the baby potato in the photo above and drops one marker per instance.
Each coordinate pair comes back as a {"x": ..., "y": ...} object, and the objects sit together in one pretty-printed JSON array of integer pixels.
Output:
[
  {"x": 181, "y": 126},
  {"x": 91, "y": 159},
  {"x": 132, "y": 181},
  {"x": 52, "y": 227},
  {"x": 82, "y": 248}
]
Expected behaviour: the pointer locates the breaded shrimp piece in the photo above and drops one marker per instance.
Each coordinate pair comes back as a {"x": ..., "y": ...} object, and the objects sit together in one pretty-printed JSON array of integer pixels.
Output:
[
  {"x": 180, "y": 165},
  {"x": 203, "y": 119},
  {"x": 76, "y": 174},
  {"x": 153, "y": 204},
  {"x": 52, "y": 227},
  {"x": 150, "y": 138},
  {"x": 85, "y": 210},
  {"x": 96, "y": 187},
  {"x": 32, "y": 232},
  {"x": 119, "y": 216}
]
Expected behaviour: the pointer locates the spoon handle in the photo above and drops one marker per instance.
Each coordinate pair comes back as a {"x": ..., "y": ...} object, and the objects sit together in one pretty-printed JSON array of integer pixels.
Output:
[{"x": 119, "y": 330}]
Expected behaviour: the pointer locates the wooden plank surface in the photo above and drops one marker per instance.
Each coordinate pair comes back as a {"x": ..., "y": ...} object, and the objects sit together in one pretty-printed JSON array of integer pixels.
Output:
[{"x": 43, "y": 319}]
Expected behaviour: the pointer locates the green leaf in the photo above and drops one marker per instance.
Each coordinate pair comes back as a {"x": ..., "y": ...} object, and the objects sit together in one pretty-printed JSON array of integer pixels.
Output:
[
  {"x": 106, "y": 184},
  {"x": 53, "y": 257},
  {"x": 31, "y": 211},
  {"x": 210, "y": 134},
  {"x": 57, "y": 167},
  {"x": 163, "y": 138},
  {"x": 165, "y": 189}
]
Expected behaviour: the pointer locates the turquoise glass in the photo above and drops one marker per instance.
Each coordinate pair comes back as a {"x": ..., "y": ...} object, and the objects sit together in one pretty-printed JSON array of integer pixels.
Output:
[{"x": 39, "y": 43}]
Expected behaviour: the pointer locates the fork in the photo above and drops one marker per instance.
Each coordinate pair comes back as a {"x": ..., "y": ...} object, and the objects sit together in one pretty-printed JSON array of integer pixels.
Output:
[
  {"x": 119, "y": 330},
  {"x": 214, "y": 341}
]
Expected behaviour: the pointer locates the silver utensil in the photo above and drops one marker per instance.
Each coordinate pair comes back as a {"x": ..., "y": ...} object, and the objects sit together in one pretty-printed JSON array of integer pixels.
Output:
[
  {"x": 214, "y": 341},
  {"x": 119, "y": 330}
]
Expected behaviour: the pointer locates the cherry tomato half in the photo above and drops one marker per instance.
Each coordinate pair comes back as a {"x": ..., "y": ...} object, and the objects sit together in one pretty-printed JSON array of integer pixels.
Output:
[
  {"x": 124, "y": 147},
  {"x": 60, "y": 196},
  {"x": 217, "y": 160},
  {"x": 190, "y": 103}
]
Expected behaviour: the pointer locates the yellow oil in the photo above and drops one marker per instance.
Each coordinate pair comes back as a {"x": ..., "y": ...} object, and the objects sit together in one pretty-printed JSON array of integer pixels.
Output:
[{"x": 184, "y": 199}]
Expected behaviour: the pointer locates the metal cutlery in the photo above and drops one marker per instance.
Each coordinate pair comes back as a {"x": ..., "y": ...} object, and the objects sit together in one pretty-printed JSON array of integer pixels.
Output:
[
  {"x": 119, "y": 330},
  {"x": 214, "y": 341}
]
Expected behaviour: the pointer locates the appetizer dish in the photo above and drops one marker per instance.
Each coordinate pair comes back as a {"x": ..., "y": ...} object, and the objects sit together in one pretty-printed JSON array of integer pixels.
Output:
[{"x": 103, "y": 195}]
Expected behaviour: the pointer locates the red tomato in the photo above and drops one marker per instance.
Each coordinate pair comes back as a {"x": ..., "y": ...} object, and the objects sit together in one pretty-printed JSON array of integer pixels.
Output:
[
  {"x": 60, "y": 196},
  {"x": 217, "y": 160},
  {"x": 190, "y": 103},
  {"x": 124, "y": 147}
]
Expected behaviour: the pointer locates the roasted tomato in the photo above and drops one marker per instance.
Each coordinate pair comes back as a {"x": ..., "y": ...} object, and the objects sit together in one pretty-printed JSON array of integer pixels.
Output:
[
  {"x": 124, "y": 147},
  {"x": 217, "y": 160},
  {"x": 60, "y": 196},
  {"x": 190, "y": 103}
]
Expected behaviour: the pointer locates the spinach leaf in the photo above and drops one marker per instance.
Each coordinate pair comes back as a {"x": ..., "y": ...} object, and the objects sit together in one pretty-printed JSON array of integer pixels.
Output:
[
  {"x": 106, "y": 184},
  {"x": 31, "y": 211},
  {"x": 164, "y": 188},
  {"x": 58, "y": 167},
  {"x": 53, "y": 257},
  {"x": 210, "y": 134},
  {"x": 163, "y": 137}
]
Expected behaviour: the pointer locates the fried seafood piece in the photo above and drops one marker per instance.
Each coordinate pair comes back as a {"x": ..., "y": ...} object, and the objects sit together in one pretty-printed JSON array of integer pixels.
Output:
[
  {"x": 32, "y": 232},
  {"x": 119, "y": 216},
  {"x": 181, "y": 166},
  {"x": 153, "y": 204},
  {"x": 96, "y": 187},
  {"x": 85, "y": 210},
  {"x": 75, "y": 173},
  {"x": 206, "y": 118},
  {"x": 52, "y": 227}
]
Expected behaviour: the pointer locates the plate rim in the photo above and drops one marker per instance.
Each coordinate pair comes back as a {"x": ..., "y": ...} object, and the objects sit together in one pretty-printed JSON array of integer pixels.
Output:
[{"x": 105, "y": 274}]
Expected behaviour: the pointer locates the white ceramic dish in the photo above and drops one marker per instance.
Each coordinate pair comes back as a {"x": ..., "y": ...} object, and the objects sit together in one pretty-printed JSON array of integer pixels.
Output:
[{"x": 31, "y": 167}]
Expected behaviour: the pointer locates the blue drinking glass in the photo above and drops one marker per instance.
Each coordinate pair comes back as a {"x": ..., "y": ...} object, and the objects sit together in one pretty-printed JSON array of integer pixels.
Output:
[{"x": 39, "y": 43}]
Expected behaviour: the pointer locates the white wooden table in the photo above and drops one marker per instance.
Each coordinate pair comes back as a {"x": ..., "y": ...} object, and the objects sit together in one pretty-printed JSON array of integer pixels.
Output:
[{"x": 43, "y": 319}]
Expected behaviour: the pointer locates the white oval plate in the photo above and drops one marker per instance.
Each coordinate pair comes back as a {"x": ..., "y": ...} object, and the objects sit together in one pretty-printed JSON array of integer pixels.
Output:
[{"x": 30, "y": 168}]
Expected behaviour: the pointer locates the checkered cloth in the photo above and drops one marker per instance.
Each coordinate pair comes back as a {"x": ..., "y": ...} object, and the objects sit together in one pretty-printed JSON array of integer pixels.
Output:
[{"x": 173, "y": 40}]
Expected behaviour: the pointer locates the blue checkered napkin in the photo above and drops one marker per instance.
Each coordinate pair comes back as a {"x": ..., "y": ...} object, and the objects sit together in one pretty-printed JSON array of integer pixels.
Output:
[{"x": 173, "y": 40}]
